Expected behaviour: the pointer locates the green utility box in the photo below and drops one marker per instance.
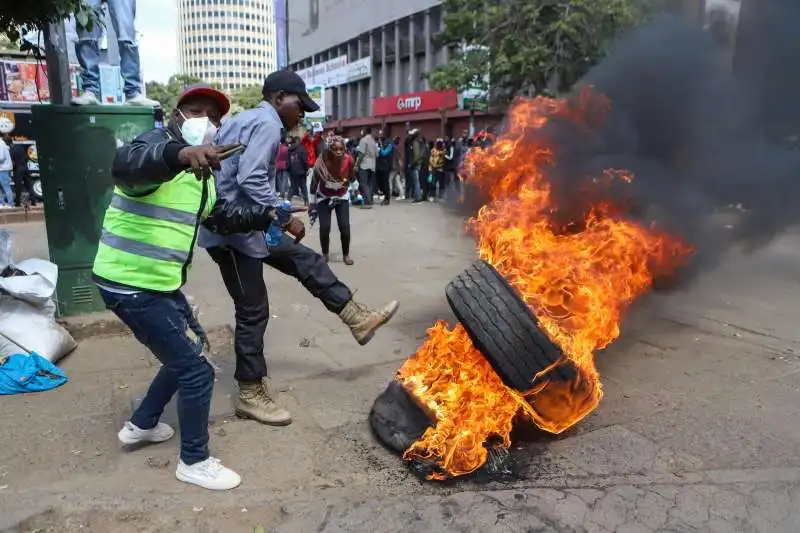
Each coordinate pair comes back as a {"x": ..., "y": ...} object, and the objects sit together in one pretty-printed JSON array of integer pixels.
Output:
[{"x": 76, "y": 148}]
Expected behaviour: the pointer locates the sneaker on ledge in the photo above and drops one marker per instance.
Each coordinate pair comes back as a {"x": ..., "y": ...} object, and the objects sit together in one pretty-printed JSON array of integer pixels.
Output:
[
  {"x": 140, "y": 101},
  {"x": 87, "y": 98}
]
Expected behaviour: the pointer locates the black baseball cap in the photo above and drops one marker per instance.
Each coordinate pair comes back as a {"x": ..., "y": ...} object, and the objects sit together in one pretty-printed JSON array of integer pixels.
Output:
[{"x": 289, "y": 82}]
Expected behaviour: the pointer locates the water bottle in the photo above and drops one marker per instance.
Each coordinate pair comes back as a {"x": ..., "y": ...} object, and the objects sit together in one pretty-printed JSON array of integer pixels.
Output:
[{"x": 274, "y": 236}]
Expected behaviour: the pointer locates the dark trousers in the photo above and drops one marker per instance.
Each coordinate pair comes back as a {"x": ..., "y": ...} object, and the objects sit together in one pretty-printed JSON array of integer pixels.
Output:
[
  {"x": 366, "y": 182},
  {"x": 442, "y": 182},
  {"x": 244, "y": 278},
  {"x": 325, "y": 208},
  {"x": 163, "y": 323},
  {"x": 428, "y": 185},
  {"x": 382, "y": 177},
  {"x": 299, "y": 186},
  {"x": 22, "y": 183}
]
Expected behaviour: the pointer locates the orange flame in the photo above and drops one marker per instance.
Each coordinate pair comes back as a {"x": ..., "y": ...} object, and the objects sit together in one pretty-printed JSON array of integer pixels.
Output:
[{"x": 577, "y": 282}]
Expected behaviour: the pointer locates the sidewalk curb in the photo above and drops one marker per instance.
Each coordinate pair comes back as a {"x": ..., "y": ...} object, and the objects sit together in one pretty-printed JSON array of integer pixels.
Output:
[{"x": 15, "y": 216}]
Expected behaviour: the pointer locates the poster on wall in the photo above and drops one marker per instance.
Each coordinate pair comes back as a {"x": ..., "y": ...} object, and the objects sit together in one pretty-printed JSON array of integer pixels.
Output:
[
  {"x": 24, "y": 82},
  {"x": 317, "y": 93}
]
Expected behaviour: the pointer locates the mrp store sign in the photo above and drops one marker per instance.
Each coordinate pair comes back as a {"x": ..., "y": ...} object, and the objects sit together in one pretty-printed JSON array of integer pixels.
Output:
[{"x": 419, "y": 102}]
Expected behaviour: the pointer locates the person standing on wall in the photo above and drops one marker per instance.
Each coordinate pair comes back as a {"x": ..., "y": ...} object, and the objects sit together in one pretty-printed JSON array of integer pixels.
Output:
[
  {"x": 330, "y": 183},
  {"x": 123, "y": 17},
  {"x": 367, "y": 157},
  {"x": 249, "y": 179},
  {"x": 383, "y": 167}
]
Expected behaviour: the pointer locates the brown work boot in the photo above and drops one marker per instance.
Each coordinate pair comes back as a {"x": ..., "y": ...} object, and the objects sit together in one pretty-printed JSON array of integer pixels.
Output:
[
  {"x": 363, "y": 321},
  {"x": 255, "y": 402}
]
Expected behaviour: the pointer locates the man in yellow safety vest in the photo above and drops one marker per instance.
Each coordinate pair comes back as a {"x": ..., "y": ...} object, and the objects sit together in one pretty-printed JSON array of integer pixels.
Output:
[{"x": 164, "y": 192}]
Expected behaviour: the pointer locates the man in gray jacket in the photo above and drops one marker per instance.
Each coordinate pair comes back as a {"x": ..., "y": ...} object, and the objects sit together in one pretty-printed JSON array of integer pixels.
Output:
[
  {"x": 367, "y": 153},
  {"x": 249, "y": 179}
]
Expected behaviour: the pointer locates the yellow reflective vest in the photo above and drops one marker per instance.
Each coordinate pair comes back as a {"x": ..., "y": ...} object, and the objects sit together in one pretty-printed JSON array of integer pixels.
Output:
[{"x": 147, "y": 241}]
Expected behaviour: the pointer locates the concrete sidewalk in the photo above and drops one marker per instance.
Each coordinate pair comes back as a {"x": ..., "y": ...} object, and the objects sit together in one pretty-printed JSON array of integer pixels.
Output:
[{"x": 698, "y": 430}]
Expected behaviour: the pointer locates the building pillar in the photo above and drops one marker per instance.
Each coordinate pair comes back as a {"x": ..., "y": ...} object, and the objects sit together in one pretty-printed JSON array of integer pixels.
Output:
[
  {"x": 371, "y": 83},
  {"x": 333, "y": 105},
  {"x": 428, "y": 48},
  {"x": 412, "y": 57},
  {"x": 397, "y": 58},
  {"x": 384, "y": 71},
  {"x": 361, "y": 87},
  {"x": 445, "y": 48},
  {"x": 346, "y": 87}
]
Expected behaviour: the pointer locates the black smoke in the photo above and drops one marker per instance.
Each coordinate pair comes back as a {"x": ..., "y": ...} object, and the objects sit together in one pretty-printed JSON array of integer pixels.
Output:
[{"x": 693, "y": 134}]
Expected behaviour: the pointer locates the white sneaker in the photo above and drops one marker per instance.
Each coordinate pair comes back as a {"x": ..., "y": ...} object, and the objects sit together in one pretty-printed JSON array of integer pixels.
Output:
[
  {"x": 209, "y": 474},
  {"x": 132, "y": 434},
  {"x": 140, "y": 101},
  {"x": 87, "y": 98}
]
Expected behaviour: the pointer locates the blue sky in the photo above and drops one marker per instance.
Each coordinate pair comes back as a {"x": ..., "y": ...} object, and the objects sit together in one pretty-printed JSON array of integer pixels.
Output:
[{"x": 157, "y": 21}]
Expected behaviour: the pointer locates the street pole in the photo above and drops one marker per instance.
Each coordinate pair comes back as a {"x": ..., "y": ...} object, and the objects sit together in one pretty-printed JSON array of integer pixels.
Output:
[
  {"x": 286, "y": 31},
  {"x": 55, "y": 46}
]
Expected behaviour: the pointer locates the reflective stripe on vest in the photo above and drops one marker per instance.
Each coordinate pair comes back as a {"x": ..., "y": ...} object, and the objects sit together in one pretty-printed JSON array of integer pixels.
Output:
[
  {"x": 142, "y": 248},
  {"x": 152, "y": 211},
  {"x": 146, "y": 242}
]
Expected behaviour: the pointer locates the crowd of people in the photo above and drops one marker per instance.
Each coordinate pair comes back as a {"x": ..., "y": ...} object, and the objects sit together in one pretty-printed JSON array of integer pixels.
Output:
[{"x": 385, "y": 168}]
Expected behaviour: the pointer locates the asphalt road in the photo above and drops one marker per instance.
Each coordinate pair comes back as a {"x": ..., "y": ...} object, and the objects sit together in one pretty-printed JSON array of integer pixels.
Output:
[{"x": 698, "y": 431}]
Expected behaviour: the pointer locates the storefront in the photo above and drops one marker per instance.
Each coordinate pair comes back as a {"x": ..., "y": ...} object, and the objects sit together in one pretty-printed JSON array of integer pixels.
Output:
[{"x": 434, "y": 113}]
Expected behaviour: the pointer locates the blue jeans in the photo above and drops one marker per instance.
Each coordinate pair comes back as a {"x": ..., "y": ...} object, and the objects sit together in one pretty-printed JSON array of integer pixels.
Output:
[
  {"x": 284, "y": 185},
  {"x": 165, "y": 324},
  {"x": 413, "y": 175},
  {"x": 122, "y": 14},
  {"x": 5, "y": 188}
]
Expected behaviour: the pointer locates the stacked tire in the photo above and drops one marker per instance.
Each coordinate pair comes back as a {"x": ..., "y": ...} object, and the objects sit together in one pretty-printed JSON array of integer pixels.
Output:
[{"x": 503, "y": 327}]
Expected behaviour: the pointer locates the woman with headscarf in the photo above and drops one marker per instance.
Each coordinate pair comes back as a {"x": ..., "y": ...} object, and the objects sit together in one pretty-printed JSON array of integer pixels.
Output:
[{"x": 330, "y": 182}]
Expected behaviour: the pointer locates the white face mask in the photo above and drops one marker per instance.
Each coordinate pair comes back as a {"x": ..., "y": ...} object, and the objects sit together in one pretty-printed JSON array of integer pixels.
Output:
[{"x": 197, "y": 131}]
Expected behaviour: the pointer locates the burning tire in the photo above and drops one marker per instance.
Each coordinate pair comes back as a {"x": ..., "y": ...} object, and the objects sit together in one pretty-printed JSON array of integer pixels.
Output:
[
  {"x": 504, "y": 328},
  {"x": 396, "y": 419}
]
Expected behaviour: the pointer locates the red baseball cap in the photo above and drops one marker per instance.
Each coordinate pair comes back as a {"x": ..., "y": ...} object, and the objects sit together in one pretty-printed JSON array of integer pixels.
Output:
[{"x": 202, "y": 89}]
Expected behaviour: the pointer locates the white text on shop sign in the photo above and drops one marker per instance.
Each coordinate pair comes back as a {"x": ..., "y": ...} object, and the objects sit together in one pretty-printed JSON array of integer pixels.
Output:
[{"x": 410, "y": 103}]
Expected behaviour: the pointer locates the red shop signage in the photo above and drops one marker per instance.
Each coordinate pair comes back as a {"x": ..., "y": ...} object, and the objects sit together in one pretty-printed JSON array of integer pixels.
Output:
[{"x": 414, "y": 103}]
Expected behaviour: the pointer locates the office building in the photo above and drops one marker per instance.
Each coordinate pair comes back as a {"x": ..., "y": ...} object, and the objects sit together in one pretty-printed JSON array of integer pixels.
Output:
[
  {"x": 228, "y": 42},
  {"x": 372, "y": 63}
]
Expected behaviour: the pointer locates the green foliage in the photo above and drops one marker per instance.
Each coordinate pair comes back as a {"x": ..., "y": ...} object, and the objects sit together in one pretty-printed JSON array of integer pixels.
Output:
[
  {"x": 528, "y": 46},
  {"x": 167, "y": 93},
  {"x": 246, "y": 98},
  {"x": 18, "y": 17}
]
